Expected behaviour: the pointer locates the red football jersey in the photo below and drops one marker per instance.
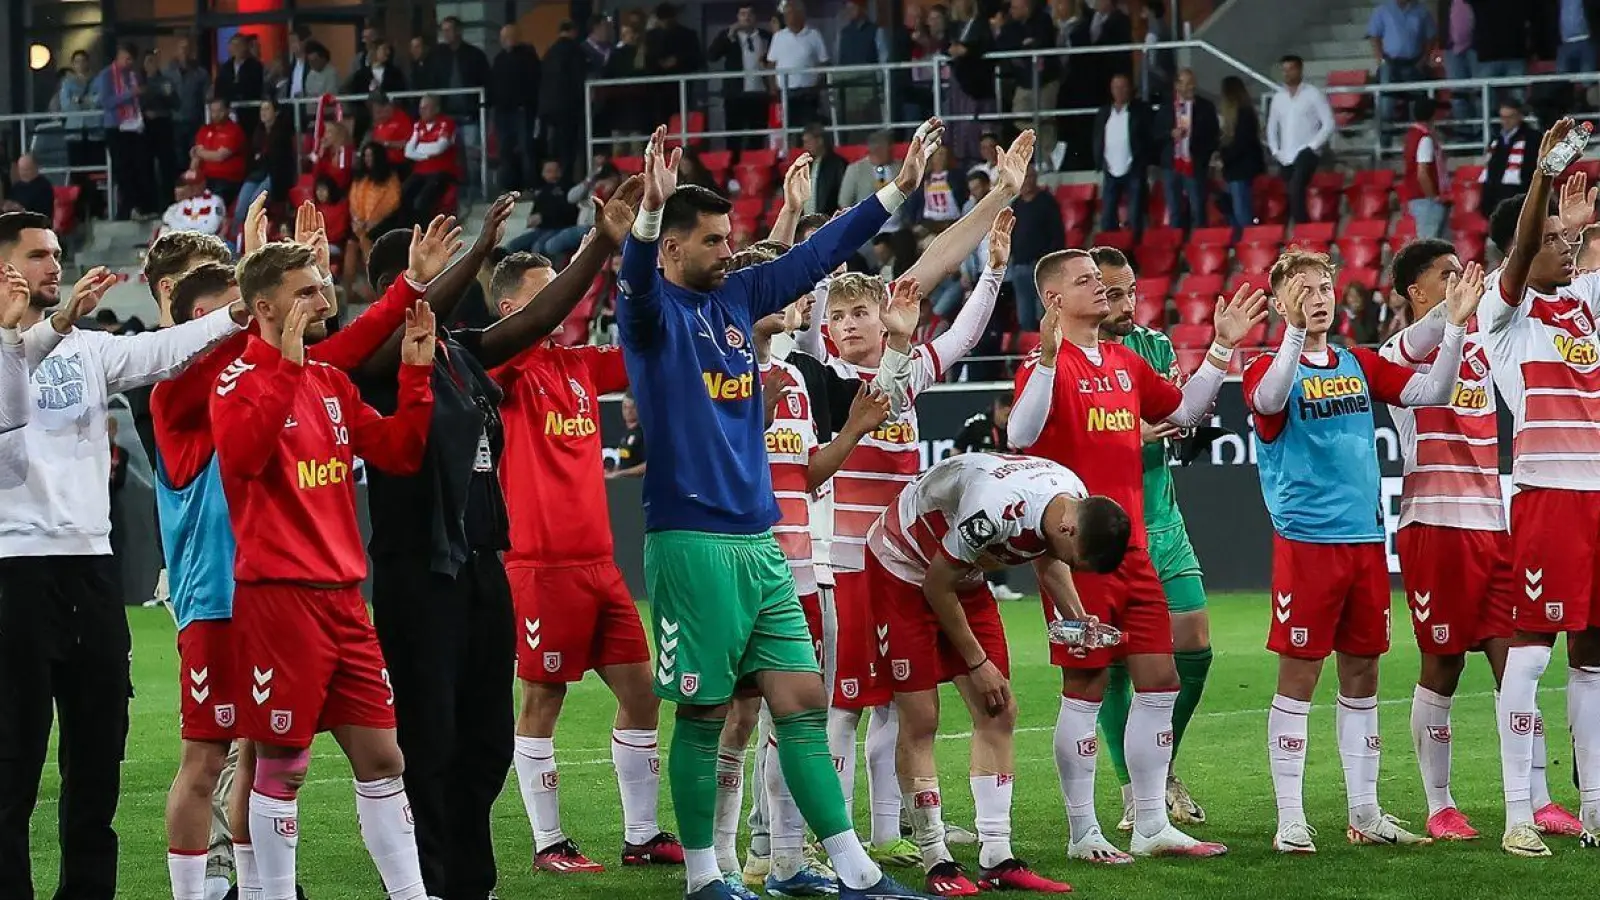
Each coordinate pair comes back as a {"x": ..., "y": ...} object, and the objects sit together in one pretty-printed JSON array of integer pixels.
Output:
[
  {"x": 551, "y": 468},
  {"x": 226, "y": 135},
  {"x": 286, "y": 437},
  {"x": 1093, "y": 427},
  {"x": 439, "y": 128},
  {"x": 395, "y": 129}
]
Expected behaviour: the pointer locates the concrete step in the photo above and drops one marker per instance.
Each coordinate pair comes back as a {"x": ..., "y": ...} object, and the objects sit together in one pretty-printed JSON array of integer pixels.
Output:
[{"x": 1347, "y": 33}]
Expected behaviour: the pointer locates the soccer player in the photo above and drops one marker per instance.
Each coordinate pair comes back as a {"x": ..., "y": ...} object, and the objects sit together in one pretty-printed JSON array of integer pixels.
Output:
[
  {"x": 1170, "y": 553},
  {"x": 1080, "y": 402},
  {"x": 1330, "y": 576},
  {"x": 1538, "y": 323},
  {"x": 1455, "y": 560},
  {"x": 724, "y": 606},
  {"x": 287, "y": 431},
  {"x": 925, "y": 561}
]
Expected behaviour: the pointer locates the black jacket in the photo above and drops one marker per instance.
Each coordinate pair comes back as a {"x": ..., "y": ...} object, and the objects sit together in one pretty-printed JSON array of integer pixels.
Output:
[
  {"x": 679, "y": 43},
  {"x": 246, "y": 84},
  {"x": 1118, "y": 29},
  {"x": 1035, "y": 33},
  {"x": 1139, "y": 131},
  {"x": 974, "y": 72},
  {"x": 361, "y": 81},
  {"x": 1205, "y": 132},
  {"x": 563, "y": 73},
  {"x": 474, "y": 65},
  {"x": 1245, "y": 158},
  {"x": 728, "y": 52},
  {"x": 1502, "y": 29},
  {"x": 827, "y": 176},
  {"x": 514, "y": 78},
  {"x": 1499, "y": 153}
]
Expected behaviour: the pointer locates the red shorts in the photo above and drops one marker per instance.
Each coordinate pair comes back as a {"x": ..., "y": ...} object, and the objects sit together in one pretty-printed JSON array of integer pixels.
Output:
[
  {"x": 1130, "y": 598},
  {"x": 858, "y": 645},
  {"x": 206, "y": 680},
  {"x": 811, "y": 605},
  {"x": 309, "y": 661},
  {"x": 1328, "y": 598},
  {"x": 920, "y": 656},
  {"x": 1555, "y": 559},
  {"x": 1458, "y": 585},
  {"x": 574, "y": 618}
]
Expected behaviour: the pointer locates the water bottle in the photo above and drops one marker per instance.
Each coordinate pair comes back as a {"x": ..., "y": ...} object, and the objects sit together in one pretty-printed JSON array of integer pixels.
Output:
[
  {"x": 1567, "y": 152},
  {"x": 1088, "y": 635}
]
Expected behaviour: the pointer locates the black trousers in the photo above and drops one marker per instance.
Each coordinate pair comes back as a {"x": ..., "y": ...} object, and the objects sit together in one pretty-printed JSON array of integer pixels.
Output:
[
  {"x": 563, "y": 142},
  {"x": 1299, "y": 175},
  {"x": 130, "y": 165},
  {"x": 450, "y": 646},
  {"x": 747, "y": 112},
  {"x": 421, "y": 193},
  {"x": 63, "y": 649},
  {"x": 159, "y": 141}
]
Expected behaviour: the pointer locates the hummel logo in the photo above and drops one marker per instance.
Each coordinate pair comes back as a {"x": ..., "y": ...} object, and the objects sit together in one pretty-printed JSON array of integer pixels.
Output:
[
  {"x": 200, "y": 694},
  {"x": 1282, "y": 602},
  {"x": 669, "y": 627},
  {"x": 1421, "y": 598},
  {"x": 1533, "y": 588},
  {"x": 532, "y": 636},
  {"x": 199, "y": 677},
  {"x": 260, "y": 696}
]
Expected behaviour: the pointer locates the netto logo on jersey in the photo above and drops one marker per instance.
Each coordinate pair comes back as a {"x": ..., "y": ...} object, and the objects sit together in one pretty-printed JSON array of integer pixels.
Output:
[
  {"x": 1101, "y": 419},
  {"x": 726, "y": 387},
  {"x": 1331, "y": 396},
  {"x": 315, "y": 474},
  {"x": 785, "y": 440},
  {"x": 557, "y": 425},
  {"x": 1576, "y": 351},
  {"x": 1463, "y": 397},
  {"x": 896, "y": 433}
]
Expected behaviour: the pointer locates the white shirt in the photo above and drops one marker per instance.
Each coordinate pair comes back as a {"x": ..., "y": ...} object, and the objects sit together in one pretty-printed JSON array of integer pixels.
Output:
[
  {"x": 297, "y": 79},
  {"x": 1298, "y": 121},
  {"x": 798, "y": 51},
  {"x": 752, "y": 50},
  {"x": 202, "y": 213},
  {"x": 1118, "y": 149}
]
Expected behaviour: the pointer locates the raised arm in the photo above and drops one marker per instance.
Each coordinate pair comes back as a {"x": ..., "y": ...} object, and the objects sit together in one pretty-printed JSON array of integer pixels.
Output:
[
  {"x": 796, "y": 192},
  {"x": 1031, "y": 410},
  {"x": 953, "y": 245},
  {"x": 43, "y": 338},
  {"x": 1413, "y": 344},
  {"x": 868, "y": 410},
  {"x": 639, "y": 294},
  {"x": 1271, "y": 393},
  {"x": 973, "y": 319},
  {"x": 395, "y": 444},
  {"x": 136, "y": 360},
  {"x": 1233, "y": 320},
  {"x": 1433, "y": 387},
  {"x": 14, "y": 403},
  {"x": 1530, "y": 233}
]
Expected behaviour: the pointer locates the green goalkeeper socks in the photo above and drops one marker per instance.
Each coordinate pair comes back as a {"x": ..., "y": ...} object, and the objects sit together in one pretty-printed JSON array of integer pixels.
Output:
[
  {"x": 1114, "y": 716},
  {"x": 1193, "y": 666},
  {"x": 692, "y": 777},
  {"x": 808, "y": 768}
]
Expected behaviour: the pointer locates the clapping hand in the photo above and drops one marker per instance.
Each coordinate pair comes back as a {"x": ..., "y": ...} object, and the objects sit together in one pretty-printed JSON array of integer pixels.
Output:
[
  {"x": 431, "y": 250},
  {"x": 797, "y": 183},
  {"x": 416, "y": 348},
  {"x": 904, "y": 309},
  {"x": 660, "y": 170},
  {"x": 1000, "y": 238},
  {"x": 1294, "y": 298},
  {"x": 614, "y": 218},
  {"x": 1462, "y": 293},
  {"x": 1011, "y": 163},
  {"x": 256, "y": 230},
  {"x": 85, "y": 297},
  {"x": 1576, "y": 208},
  {"x": 1235, "y": 317},
  {"x": 923, "y": 143}
]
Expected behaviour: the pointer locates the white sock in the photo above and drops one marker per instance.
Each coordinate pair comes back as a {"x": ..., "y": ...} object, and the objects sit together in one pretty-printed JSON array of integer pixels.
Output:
[
  {"x": 760, "y": 818},
  {"x": 217, "y": 887},
  {"x": 927, "y": 821},
  {"x": 1147, "y": 746},
  {"x": 635, "y": 755},
  {"x": 244, "y": 871},
  {"x": 275, "y": 833},
  {"x": 1583, "y": 711},
  {"x": 850, "y": 861},
  {"x": 1286, "y": 754},
  {"x": 1430, "y": 737},
  {"x": 786, "y": 828},
  {"x": 730, "y": 800},
  {"x": 1357, "y": 724},
  {"x": 992, "y": 796},
  {"x": 1519, "y": 687},
  {"x": 391, "y": 836},
  {"x": 1538, "y": 785},
  {"x": 842, "y": 724},
  {"x": 883, "y": 783},
  {"x": 1076, "y": 748},
  {"x": 188, "y": 874},
  {"x": 700, "y": 868},
  {"x": 541, "y": 789}
]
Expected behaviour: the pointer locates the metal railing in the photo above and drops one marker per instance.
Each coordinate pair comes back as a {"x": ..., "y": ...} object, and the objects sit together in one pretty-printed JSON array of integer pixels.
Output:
[{"x": 72, "y": 127}]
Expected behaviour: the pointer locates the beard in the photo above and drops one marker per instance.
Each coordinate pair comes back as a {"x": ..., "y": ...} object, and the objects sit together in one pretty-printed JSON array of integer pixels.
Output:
[
  {"x": 1118, "y": 327},
  {"x": 41, "y": 300}
]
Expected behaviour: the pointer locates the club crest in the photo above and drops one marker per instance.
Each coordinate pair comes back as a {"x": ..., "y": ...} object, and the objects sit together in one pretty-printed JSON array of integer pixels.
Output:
[
  {"x": 335, "y": 411},
  {"x": 280, "y": 721}
]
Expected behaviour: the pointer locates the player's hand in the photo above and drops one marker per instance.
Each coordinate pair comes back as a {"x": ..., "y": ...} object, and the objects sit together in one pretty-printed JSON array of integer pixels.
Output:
[
  {"x": 494, "y": 223},
  {"x": 1160, "y": 431},
  {"x": 306, "y": 222},
  {"x": 1293, "y": 299},
  {"x": 868, "y": 410},
  {"x": 904, "y": 309},
  {"x": 1235, "y": 317},
  {"x": 256, "y": 232},
  {"x": 431, "y": 250},
  {"x": 1576, "y": 208},
  {"x": 1462, "y": 293},
  {"x": 796, "y": 313},
  {"x": 660, "y": 170},
  {"x": 1011, "y": 166},
  {"x": 614, "y": 218},
  {"x": 85, "y": 297},
  {"x": 1000, "y": 238},
  {"x": 14, "y": 304},
  {"x": 1049, "y": 335},
  {"x": 1557, "y": 133},
  {"x": 416, "y": 348},
  {"x": 771, "y": 393},
  {"x": 797, "y": 183},
  {"x": 923, "y": 143},
  {"x": 992, "y": 686},
  {"x": 294, "y": 332}
]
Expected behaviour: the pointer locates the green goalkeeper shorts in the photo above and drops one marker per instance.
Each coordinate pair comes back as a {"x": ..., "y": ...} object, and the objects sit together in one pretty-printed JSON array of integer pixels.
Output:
[
  {"x": 724, "y": 607},
  {"x": 1179, "y": 570}
]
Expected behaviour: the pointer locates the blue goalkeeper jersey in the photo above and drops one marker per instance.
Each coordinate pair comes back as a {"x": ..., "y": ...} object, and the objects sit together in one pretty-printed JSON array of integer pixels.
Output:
[
  {"x": 197, "y": 542},
  {"x": 691, "y": 361}
]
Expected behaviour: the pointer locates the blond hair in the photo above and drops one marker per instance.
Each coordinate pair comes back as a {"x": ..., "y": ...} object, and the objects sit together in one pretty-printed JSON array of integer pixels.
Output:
[
  {"x": 853, "y": 286},
  {"x": 1295, "y": 261}
]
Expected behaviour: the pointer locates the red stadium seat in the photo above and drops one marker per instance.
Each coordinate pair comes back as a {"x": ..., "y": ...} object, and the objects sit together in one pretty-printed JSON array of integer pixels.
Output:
[
  {"x": 1327, "y": 180},
  {"x": 1211, "y": 237},
  {"x": 1162, "y": 237},
  {"x": 1318, "y": 234},
  {"x": 1190, "y": 358},
  {"x": 851, "y": 152},
  {"x": 1205, "y": 259},
  {"x": 1154, "y": 259},
  {"x": 1405, "y": 231},
  {"x": 1154, "y": 288},
  {"x": 1467, "y": 221},
  {"x": 64, "y": 211},
  {"x": 1359, "y": 251},
  {"x": 1191, "y": 337},
  {"x": 1470, "y": 247},
  {"x": 1196, "y": 309},
  {"x": 1208, "y": 286},
  {"x": 1254, "y": 280},
  {"x": 1371, "y": 229},
  {"x": 1367, "y": 278},
  {"x": 696, "y": 129},
  {"x": 717, "y": 162},
  {"x": 628, "y": 165},
  {"x": 1269, "y": 235},
  {"x": 1027, "y": 342},
  {"x": 754, "y": 178},
  {"x": 1256, "y": 336},
  {"x": 1271, "y": 208},
  {"x": 1377, "y": 178},
  {"x": 1256, "y": 257},
  {"x": 1083, "y": 191},
  {"x": 1151, "y": 309},
  {"x": 1076, "y": 214},
  {"x": 1077, "y": 237},
  {"x": 1467, "y": 196},
  {"x": 1369, "y": 202},
  {"x": 1122, "y": 240},
  {"x": 1322, "y": 206}
]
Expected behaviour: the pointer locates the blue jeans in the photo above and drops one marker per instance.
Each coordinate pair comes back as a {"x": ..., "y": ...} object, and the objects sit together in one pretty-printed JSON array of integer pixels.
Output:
[
  {"x": 1194, "y": 188},
  {"x": 947, "y": 298},
  {"x": 1241, "y": 210},
  {"x": 533, "y": 240},
  {"x": 1020, "y": 275},
  {"x": 1395, "y": 71},
  {"x": 564, "y": 241},
  {"x": 1464, "y": 103},
  {"x": 1429, "y": 216},
  {"x": 1112, "y": 190},
  {"x": 247, "y": 195},
  {"x": 1502, "y": 68},
  {"x": 1575, "y": 56}
]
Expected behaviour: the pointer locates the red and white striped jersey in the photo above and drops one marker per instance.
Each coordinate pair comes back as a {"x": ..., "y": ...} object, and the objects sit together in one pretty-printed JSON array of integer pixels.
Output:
[
  {"x": 1451, "y": 453},
  {"x": 885, "y": 461},
  {"x": 1547, "y": 365},
  {"x": 791, "y": 440},
  {"x": 982, "y": 510}
]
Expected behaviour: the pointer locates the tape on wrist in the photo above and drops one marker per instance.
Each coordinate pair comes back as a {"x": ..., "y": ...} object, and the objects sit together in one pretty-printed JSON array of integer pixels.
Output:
[
  {"x": 1220, "y": 352},
  {"x": 647, "y": 224}
]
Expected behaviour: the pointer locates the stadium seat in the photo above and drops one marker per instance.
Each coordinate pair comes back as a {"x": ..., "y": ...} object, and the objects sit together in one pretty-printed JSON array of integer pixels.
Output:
[
  {"x": 1256, "y": 257},
  {"x": 1256, "y": 336},
  {"x": 1359, "y": 251},
  {"x": 1366, "y": 277},
  {"x": 304, "y": 190},
  {"x": 1162, "y": 237},
  {"x": 1254, "y": 280},
  {"x": 1322, "y": 206},
  {"x": 1083, "y": 191},
  {"x": 1190, "y": 358},
  {"x": 64, "y": 211},
  {"x": 1375, "y": 178},
  {"x": 1206, "y": 259},
  {"x": 1349, "y": 108},
  {"x": 1196, "y": 309},
  {"x": 1211, "y": 237},
  {"x": 1191, "y": 337},
  {"x": 900, "y": 148},
  {"x": 748, "y": 207},
  {"x": 1076, "y": 214},
  {"x": 1027, "y": 342},
  {"x": 755, "y": 178},
  {"x": 1268, "y": 235},
  {"x": 1369, "y": 202},
  {"x": 1154, "y": 288},
  {"x": 851, "y": 152},
  {"x": 1371, "y": 229},
  {"x": 696, "y": 129},
  {"x": 1328, "y": 180},
  {"x": 1155, "y": 259},
  {"x": 1077, "y": 237},
  {"x": 1405, "y": 231},
  {"x": 1469, "y": 222},
  {"x": 1312, "y": 235},
  {"x": 1122, "y": 240},
  {"x": 763, "y": 156},
  {"x": 1208, "y": 286},
  {"x": 628, "y": 165},
  {"x": 717, "y": 162},
  {"x": 1151, "y": 309},
  {"x": 1271, "y": 208},
  {"x": 1467, "y": 196},
  {"x": 1470, "y": 246}
]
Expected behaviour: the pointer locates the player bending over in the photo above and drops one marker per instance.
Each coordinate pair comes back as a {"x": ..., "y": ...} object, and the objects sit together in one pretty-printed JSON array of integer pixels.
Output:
[
  {"x": 286, "y": 432},
  {"x": 1538, "y": 323},
  {"x": 1080, "y": 403},
  {"x": 925, "y": 563},
  {"x": 1455, "y": 559},
  {"x": 1330, "y": 574},
  {"x": 1170, "y": 552}
]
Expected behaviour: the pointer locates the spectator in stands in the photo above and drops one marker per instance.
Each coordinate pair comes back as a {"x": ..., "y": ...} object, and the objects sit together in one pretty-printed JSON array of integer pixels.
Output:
[
  {"x": 422, "y": 73},
  {"x": 742, "y": 48},
  {"x": 378, "y": 73},
  {"x": 1158, "y": 69},
  {"x": 434, "y": 163},
  {"x": 948, "y": 297},
  {"x": 827, "y": 170},
  {"x": 597, "y": 50},
  {"x": 861, "y": 43},
  {"x": 221, "y": 155},
  {"x": 1394, "y": 316},
  {"x": 335, "y": 209},
  {"x": 1122, "y": 135},
  {"x": 988, "y": 147},
  {"x": 514, "y": 96},
  {"x": 672, "y": 48},
  {"x": 274, "y": 161},
  {"x": 1402, "y": 34},
  {"x": 1187, "y": 131},
  {"x": 75, "y": 97},
  {"x": 1107, "y": 26},
  {"x": 924, "y": 35},
  {"x": 335, "y": 160},
  {"x": 1028, "y": 27},
  {"x": 628, "y": 106},
  {"x": 561, "y": 104},
  {"x": 462, "y": 65},
  {"x": 275, "y": 82},
  {"x": 30, "y": 190},
  {"x": 602, "y": 180},
  {"x": 631, "y": 457},
  {"x": 1358, "y": 316},
  {"x": 798, "y": 46},
  {"x": 1299, "y": 125},
  {"x": 1510, "y": 158},
  {"x": 158, "y": 98},
  {"x": 391, "y": 128},
  {"x": 692, "y": 171},
  {"x": 1241, "y": 153},
  {"x": 867, "y": 175},
  {"x": 1578, "y": 25},
  {"x": 1588, "y": 258},
  {"x": 374, "y": 205},
  {"x": 322, "y": 78},
  {"x": 117, "y": 86},
  {"x": 193, "y": 84},
  {"x": 1503, "y": 39},
  {"x": 1038, "y": 231},
  {"x": 371, "y": 37},
  {"x": 294, "y": 60},
  {"x": 1460, "y": 60},
  {"x": 241, "y": 79},
  {"x": 196, "y": 208},
  {"x": 552, "y": 213},
  {"x": 1425, "y": 173},
  {"x": 971, "y": 79},
  {"x": 937, "y": 204}
]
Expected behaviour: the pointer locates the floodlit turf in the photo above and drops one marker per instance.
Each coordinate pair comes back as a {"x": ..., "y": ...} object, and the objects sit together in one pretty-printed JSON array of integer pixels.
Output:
[{"x": 1223, "y": 759}]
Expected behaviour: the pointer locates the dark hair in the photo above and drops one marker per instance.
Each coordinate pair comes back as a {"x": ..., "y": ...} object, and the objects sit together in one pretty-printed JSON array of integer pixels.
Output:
[
  {"x": 129, "y": 49},
  {"x": 380, "y": 170},
  {"x": 1503, "y": 222},
  {"x": 1512, "y": 103},
  {"x": 666, "y": 12},
  {"x": 566, "y": 26},
  {"x": 451, "y": 21},
  {"x": 13, "y": 224},
  {"x": 264, "y": 269},
  {"x": 178, "y": 251},
  {"x": 1413, "y": 259},
  {"x": 808, "y": 224},
  {"x": 598, "y": 20},
  {"x": 378, "y": 98},
  {"x": 1108, "y": 256},
  {"x": 989, "y": 136},
  {"x": 203, "y": 281},
  {"x": 688, "y": 203},
  {"x": 302, "y": 31},
  {"x": 979, "y": 175},
  {"x": 1051, "y": 263},
  {"x": 1103, "y": 533},
  {"x": 508, "y": 273},
  {"x": 78, "y": 53},
  {"x": 316, "y": 47},
  {"x": 1288, "y": 58},
  {"x": 389, "y": 256},
  {"x": 334, "y": 194}
]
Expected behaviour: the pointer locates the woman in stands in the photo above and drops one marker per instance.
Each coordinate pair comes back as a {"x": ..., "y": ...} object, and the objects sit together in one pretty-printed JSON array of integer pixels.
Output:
[
  {"x": 1241, "y": 152},
  {"x": 374, "y": 201}
]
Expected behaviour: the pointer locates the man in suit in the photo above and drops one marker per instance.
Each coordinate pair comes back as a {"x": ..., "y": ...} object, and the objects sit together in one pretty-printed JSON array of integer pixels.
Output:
[
  {"x": 1510, "y": 158},
  {"x": 827, "y": 170},
  {"x": 1121, "y": 147},
  {"x": 742, "y": 49},
  {"x": 240, "y": 80},
  {"x": 1187, "y": 131}
]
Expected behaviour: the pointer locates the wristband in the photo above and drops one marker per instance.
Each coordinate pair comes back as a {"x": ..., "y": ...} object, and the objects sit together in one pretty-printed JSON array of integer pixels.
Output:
[
  {"x": 981, "y": 662},
  {"x": 1220, "y": 352},
  {"x": 647, "y": 225},
  {"x": 891, "y": 196}
]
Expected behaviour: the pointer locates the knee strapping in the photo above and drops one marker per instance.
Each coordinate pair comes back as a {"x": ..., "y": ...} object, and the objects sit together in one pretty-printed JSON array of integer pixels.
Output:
[{"x": 281, "y": 776}]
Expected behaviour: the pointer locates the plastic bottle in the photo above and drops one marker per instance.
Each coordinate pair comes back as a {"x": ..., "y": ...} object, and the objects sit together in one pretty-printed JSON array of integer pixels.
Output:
[{"x": 1568, "y": 151}]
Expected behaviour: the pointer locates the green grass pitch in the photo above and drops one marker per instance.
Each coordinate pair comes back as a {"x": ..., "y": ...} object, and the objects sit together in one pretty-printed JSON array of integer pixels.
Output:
[{"x": 1223, "y": 759}]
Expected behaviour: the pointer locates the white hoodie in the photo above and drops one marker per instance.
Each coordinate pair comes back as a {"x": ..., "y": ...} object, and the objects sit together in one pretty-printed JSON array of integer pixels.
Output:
[
  {"x": 55, "y": 473},
  {"x": 13, "y": 381}
]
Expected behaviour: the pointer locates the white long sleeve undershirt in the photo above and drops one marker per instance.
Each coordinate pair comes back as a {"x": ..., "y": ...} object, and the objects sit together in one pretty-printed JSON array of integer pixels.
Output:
[{"x": 1429, "y": 388}]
